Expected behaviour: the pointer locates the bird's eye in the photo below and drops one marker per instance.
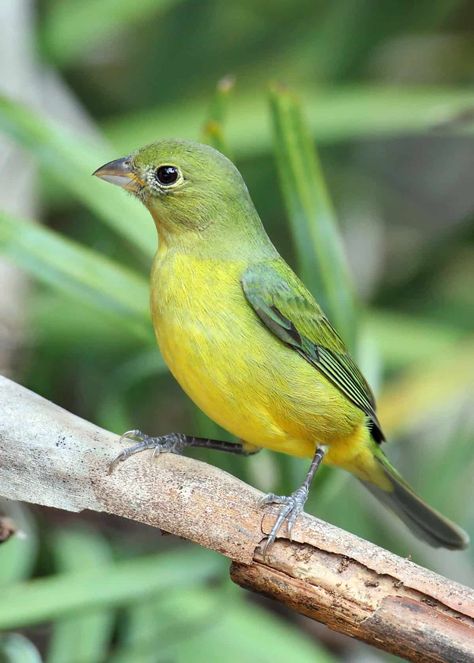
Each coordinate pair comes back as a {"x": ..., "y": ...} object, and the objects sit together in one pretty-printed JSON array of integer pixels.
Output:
[{"x": 167, "y": 175}]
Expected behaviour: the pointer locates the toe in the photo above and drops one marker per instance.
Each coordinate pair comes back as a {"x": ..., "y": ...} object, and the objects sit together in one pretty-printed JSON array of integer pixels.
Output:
[
  {"x": 291, "y": 522},
  {"x": 292, "y": 506},
  {"x": 271, "y": 538},
  {"x": 118, "y": 459},
  {"x": 266, "y": 499},
  {"x": 271, "y": 498},
  {"x": 269, "y": 541},
  {"x": 134, "y": 434}
]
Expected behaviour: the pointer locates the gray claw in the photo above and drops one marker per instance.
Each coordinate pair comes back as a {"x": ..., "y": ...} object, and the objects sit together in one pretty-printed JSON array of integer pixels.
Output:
[
  {"x": 293, "y": 505},
  {"x": 271, "y": 498},
  {"x": 172, "y": 443},
  {"x": 118, "y": 459},
  {"x": 134, "y": 434}
]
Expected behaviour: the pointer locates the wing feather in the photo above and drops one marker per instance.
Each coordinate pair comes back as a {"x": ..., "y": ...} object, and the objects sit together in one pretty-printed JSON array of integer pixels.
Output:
[{"x": 290, "y": 312}]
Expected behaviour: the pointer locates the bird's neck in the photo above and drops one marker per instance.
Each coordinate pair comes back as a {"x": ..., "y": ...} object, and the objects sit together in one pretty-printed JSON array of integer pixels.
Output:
[{"x": 240, "y": 238}]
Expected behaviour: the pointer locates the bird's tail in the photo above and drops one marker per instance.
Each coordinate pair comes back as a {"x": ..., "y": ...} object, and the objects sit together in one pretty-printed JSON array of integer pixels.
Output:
[{"x": 422, "y": 520}]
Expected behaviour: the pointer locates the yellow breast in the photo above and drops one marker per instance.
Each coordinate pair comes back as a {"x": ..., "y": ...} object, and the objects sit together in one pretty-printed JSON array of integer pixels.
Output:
[{"x": 232, "y": 367}]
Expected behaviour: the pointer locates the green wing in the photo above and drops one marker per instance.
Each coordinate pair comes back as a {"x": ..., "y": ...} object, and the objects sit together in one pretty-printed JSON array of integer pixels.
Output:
[{"x": 289, "y": 310}]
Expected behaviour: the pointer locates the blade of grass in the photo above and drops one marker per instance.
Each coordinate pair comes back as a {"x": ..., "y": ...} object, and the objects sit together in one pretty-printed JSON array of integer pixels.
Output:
[
  {"x": 86, "y": 634},
  {"x": 70, "y": 267},
  {"x": 213, "y": 131},
  {"x": 62, "y": 325},
  {"x": 319, "y": 250},
  {"x": 108, "y": 586},
  {"x": 71, "y": 160},
  {"x": 334, "y": 115}
]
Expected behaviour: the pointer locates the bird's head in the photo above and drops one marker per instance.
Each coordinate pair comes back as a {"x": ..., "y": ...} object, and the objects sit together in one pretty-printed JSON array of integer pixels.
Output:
[{"x": 186, "y": 186}]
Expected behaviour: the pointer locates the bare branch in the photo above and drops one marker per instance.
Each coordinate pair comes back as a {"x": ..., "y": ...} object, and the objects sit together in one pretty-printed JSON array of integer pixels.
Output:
[{"x": 51, "y": 457}]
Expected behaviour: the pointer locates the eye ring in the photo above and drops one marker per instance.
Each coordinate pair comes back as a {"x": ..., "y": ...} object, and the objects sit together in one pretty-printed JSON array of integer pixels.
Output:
[{"x": 167, "y": 175}]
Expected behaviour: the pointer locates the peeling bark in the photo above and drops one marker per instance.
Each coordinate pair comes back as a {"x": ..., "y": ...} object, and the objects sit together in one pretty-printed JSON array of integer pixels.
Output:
[{"x": 363, "y": 602}]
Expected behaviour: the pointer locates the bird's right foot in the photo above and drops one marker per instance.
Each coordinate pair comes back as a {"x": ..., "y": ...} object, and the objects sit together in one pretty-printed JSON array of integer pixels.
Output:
[
  {"x": 291, "y": 506},
  {"x": 170, "y": 443}
]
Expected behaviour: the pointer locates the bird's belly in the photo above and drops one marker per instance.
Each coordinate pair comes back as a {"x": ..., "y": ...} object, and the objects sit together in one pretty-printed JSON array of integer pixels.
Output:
[
  {"x": 242, "y": 376},
  {"x": 217, "y": 375}
]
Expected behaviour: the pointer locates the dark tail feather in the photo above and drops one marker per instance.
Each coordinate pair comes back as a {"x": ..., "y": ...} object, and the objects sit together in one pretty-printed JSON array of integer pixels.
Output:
[{"x": 422, "y": 520}]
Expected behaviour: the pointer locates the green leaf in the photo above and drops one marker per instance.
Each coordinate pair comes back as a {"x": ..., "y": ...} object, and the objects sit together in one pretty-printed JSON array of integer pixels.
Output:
[
  {"x": 71, "y": 29},
  {"x": 70, "y": 267},
  {"x": 71, "y": 159},
  {"x": 108, "y": 586},
  {"x": 333, "y": 114},
  {"x": 66, "y": 328},
  {"x": 213, "y": 132},
  {"x": 321, "y": 260},
  {"x": 86, "y": 634}
]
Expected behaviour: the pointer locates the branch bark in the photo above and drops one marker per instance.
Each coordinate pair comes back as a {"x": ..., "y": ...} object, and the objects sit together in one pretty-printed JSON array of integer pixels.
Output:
[{"x": 49, "y": 456}]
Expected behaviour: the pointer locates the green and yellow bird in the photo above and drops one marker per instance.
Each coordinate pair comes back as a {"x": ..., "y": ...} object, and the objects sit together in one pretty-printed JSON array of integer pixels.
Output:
[{"x": 248, "y": 342}]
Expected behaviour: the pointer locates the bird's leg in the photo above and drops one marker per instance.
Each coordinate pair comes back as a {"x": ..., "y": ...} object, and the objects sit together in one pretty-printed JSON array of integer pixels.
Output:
[
  {"x": 292, "y": 505},
  {"x": 175, "y": 443}
]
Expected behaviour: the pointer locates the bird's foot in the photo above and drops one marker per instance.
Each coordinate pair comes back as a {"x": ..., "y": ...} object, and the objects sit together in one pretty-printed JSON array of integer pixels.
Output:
[
  {"x": 292, "y": 506},
  {"x": 170, "y": 443}
]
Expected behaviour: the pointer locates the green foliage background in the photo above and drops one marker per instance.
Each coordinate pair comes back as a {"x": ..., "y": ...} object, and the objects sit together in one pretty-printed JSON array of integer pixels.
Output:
[{"x": 362, "y": 173}]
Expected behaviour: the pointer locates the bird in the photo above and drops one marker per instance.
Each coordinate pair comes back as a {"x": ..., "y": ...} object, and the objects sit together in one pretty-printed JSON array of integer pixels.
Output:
[{"x": 248, "y": 342}]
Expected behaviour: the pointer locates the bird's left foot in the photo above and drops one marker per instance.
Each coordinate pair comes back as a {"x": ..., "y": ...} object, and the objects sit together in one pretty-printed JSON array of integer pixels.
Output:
[
  {"x": 292, "y": 506},
  {"x": 170, "y": 443}
]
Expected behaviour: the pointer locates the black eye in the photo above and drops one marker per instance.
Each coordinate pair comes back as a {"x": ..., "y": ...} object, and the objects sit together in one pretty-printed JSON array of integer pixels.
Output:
[{"x": 167, "y": 175}]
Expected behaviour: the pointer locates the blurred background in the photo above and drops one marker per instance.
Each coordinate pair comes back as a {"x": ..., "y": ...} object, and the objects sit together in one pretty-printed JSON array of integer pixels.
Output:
[{"x": 383, "y": 99}]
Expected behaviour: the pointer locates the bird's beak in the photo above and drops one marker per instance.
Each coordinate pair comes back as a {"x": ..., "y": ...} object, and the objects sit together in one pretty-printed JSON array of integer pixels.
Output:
[{"x": 119, "y": 172}]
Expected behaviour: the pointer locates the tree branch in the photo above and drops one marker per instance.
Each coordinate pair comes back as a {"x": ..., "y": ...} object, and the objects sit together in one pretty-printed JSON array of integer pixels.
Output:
[{"x": 51, "y": 457}]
